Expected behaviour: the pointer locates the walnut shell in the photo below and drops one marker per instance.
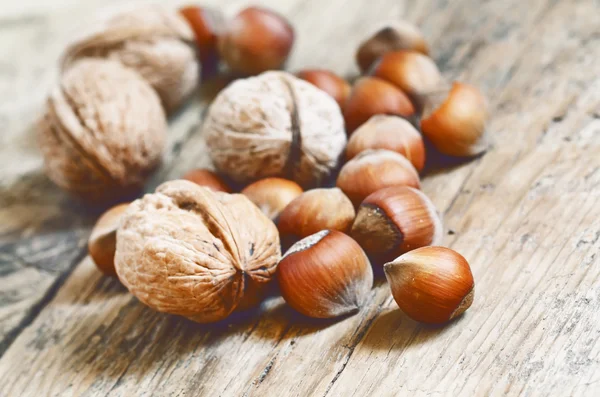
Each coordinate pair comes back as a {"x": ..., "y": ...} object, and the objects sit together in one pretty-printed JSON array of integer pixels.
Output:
[
  {"x": 194, "y": 252},
  {"x": 275, "y": 124},
  {"x": 157, "y": 42},
  {"x": 103, "y": 131}
]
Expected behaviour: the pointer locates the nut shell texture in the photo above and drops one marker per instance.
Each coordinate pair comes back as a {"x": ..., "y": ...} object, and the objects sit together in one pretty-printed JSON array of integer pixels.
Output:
[
  {"x": 372, "y": 170},
  {"x": 157, "y": 42},
  {"x": 325, "y": 275},
  {"x": 396, "y": 220},
  {"x": 431, "y": 284},
  {"x": 94, "y": 142},
  {"x": 275, "y": 125},
  {"x": 190, "y": 251}
]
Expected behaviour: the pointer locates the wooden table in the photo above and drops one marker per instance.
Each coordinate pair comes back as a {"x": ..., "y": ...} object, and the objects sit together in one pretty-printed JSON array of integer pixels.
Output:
[{"x": 526, "y": 215}]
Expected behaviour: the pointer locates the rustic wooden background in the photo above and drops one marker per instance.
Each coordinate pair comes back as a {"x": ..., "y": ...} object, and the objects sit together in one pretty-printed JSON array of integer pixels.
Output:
[{"x": 526, "y": 215}]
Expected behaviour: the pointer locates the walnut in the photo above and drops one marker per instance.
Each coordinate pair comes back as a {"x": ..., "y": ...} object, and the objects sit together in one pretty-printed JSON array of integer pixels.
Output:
[
  {"x": 275, "y": 124},
  {"x": 194, "y": 252},
  {"x": 156, "y": 42},
  {"x": 103, "y": 131}
]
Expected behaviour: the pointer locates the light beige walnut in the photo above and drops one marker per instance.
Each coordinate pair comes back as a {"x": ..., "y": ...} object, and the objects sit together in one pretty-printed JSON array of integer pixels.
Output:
[
  {"x": 194, "y": 252},
  {"x": 155, "y": 41},
  {"x": 275, "y": 125},
  {"x": 103, "y": 131}
]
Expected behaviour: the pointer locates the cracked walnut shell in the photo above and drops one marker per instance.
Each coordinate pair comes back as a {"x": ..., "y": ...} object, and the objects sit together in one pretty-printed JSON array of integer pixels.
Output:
[
  {"x": 275, "y": 125},
  {"x": 194, "y": 252},
  {"x": 103, "y": 131},
  {"x": 157, "y": 42}
]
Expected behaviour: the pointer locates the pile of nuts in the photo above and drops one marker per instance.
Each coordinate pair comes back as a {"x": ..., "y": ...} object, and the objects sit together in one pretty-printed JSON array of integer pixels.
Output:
[{"x": 329, "y": 169}]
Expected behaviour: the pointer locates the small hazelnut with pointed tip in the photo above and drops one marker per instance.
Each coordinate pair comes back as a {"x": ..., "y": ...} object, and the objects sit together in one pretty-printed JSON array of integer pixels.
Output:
[
  {"x": 325, "y": 275},
  {"x": 395, "y": 220},
  {"x": 414, "y": 73},
  {"x": 207, "y": 178},
  {"x": 256, "y": 40},
  {"x": 432, "y": 285},
  {"x": 102, "y": 243},
  {"x": 373, "y": 170},
  {"x": 272, "y": 195},
  {"x": 455, "y": 123},
  {"x": 316, "y": 210},
  {"x": 397, "y": 35},
  {"x": 207, "y": 23},
  {"x": 371, "y": 96},
  {"x": 329, "y": 82},
  {"x": 390, "y": 133}
]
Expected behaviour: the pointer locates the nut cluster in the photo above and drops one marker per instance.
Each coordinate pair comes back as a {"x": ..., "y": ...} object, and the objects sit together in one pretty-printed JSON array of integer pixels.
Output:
[{"x": 196, "y": 249}]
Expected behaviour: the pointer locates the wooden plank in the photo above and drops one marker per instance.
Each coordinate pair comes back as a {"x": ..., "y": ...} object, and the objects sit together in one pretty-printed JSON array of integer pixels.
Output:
[{"x": 525, "y": 215}]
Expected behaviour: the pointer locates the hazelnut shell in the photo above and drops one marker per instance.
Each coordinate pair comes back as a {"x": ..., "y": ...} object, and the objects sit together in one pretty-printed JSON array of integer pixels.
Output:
[
  {"x": 395, "y": 220},
  {"x": 371, "y": 96},
  {"x": 316, "y": 210},
  {"x": 325, "y": 275},
  {"x": 390, "y": 133},
  {"x": 103, "y": 239},
  {"x": 373, "y": 170},
  {"x": 431, "y": 284}
]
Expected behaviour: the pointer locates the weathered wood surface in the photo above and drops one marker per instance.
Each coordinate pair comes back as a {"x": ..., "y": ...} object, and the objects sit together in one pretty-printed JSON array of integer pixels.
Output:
[{"x": 526, "y": 215}]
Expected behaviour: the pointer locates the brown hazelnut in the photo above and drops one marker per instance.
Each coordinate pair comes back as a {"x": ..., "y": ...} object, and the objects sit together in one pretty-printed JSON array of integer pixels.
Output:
[
  {"x": 207, "y": 23},
  {"x": 194, "y": 252},
  {"x": 395, "y": 220},
  {"x": 316, "y": 210},
  {"x": 414, "y": 73},
  {"x": 397, "y": 35},
  {"x": 371, "y": 96},
  {"x": 208, "y": 179},
  {"x": 372, "y": 170},
  {"x": 431, "y": 284},
  {"x": 390, "y": 133},
  {"x": 155, "y": 41},
  {"x": 275, "y": 124},
  {"x": 329, "y": 82},
  {"x": 103, "y": 239},
  {"x": 325, "y": 275},
  {"x": 456, "y": 127},
  {"x": 95, "y": 144},
  {"x": 272, "y": 195},
  {"x": 256, "y": 40}
]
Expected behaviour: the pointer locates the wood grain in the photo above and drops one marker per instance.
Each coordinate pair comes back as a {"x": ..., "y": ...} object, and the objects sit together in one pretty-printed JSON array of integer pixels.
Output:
[{"x": 526, "y": 215}]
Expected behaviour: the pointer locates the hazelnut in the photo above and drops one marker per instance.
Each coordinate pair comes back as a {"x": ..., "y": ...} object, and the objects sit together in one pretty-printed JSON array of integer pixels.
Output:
[
  {"x": 95, "y": 144},
  {"x": 316, "y": 210},
  {"x": 329, "y": 82},
  {"x": 103, "y": 239},
  {"x": 207, "y": 23},
  {"x": 397, "y": 35},
  {"x": 390, "y": 133},
  {"x": 414, "y": 73},
  {"x": 275, "y": 125},
  {"x": 395, "y": 220},
  {"x": 371, "y": 96},
  {"x": 194, "y": 252},
  {"x": 207, "y": 178},
  {"x": 154, "y": 41},
  {"x": 325, "y": 275},
  {"x": 372, "y": 170},
  {"x": 272, "y": 195},
  {"x": 431, "y": 284},
  {"x": 256, "y": 40},
  {"x": 456, "y": 127}
]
